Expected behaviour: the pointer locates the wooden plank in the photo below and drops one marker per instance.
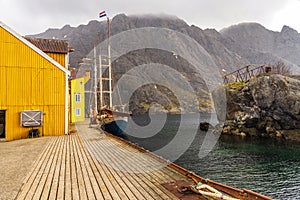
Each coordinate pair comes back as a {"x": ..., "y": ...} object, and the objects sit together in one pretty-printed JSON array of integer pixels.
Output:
[
  {"x": 106, "y": 150},
  {"x": 156, "y": 176},
  {"x": 28, "y": 186},
  {"x": 68, "y": 183},
  {"x": 166, "y": 173},
  {"x": 124, "y": 182},
  {"x": 84, "y": 166},
  {"x": 44, "y": 173},
  {"x": 32, "y": 174},
  {"x": 62, "y": 172},
  {"x": 120, "y": 186},
  {"x": 104, "y": 177},
  {"x": 103, "y": 188},
  {"x": 110, "y": 181},
  {"x": 88, "y": 167},
  {"x": 162, "y": 169},
  {"x": 80, "y": 180},
  {"x": 148, "y": 183},
  {"x": 92, "y": 175},
  {"x": 74, "y": 184},
  {"x": 48, "y": 184},
  {"x": 56, "y": 168}
]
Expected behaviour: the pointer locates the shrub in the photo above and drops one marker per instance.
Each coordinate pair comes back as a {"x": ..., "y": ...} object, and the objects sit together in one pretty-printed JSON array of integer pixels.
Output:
[{"x": 280, "y": 68}]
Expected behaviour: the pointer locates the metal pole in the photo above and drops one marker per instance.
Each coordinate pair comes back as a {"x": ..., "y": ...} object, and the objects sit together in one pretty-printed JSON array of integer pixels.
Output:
[{"x": 109, "y": 64}]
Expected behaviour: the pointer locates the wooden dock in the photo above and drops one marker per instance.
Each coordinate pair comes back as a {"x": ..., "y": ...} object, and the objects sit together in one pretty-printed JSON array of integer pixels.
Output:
[{"x": 92, "y": 165}]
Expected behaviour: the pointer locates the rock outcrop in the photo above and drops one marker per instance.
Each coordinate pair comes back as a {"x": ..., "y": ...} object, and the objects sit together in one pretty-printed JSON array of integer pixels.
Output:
[{"x": 266, "y": 106}]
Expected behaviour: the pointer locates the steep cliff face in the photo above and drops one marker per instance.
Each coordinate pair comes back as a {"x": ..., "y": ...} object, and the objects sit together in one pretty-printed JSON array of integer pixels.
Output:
[{"x": 267, "y": 106}]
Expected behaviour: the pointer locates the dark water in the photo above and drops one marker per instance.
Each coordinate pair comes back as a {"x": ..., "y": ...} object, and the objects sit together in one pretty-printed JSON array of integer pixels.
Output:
[{"x": 268, "y": 167}]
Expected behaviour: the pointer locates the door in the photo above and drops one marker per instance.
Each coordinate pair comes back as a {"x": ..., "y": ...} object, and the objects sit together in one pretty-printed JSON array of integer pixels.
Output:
[{"x": 2, "y": 123}]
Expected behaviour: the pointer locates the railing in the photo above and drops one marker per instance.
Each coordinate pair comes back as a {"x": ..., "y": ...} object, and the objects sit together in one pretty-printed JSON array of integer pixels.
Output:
[{"x": 245, "y": 73}]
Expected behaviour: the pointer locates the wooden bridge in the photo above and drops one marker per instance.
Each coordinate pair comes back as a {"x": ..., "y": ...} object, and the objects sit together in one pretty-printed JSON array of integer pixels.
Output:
[{"x": 245, "y": 73}]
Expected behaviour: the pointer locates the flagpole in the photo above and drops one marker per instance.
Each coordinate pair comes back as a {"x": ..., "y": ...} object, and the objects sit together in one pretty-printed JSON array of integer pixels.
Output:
[{"x": 101, "y": 14}]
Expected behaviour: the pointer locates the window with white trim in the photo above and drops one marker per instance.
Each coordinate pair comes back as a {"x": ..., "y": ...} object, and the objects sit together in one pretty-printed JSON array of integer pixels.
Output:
[
  {"x": 77, "y": 111},
  {"x": 77, "y": 97}
]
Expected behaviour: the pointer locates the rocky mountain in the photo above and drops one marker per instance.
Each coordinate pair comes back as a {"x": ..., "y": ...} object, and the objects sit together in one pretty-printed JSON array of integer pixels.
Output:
[
  {"x": 260, "y": 45},
  {"x": 196, "y": 54},
  {"x": 231, "y": 48}
]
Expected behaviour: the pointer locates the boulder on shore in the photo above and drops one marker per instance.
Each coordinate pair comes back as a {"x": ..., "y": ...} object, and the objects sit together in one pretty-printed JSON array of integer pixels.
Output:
[{"x": 205, "y": 126}]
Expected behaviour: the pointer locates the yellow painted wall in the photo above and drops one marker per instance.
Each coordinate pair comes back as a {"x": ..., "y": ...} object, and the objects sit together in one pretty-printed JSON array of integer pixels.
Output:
[
  {"x": 58, "y": 57},
  {"x": 29, "y": 82},
  {"x": 77, "y": 87}
]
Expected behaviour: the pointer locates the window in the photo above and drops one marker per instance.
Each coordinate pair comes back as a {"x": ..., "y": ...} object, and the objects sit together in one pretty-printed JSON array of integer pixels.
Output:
[
  {"x": 77, "y": 112},
  {"x": 77, "y": 97},
  {"x": 30, "y": 118}
]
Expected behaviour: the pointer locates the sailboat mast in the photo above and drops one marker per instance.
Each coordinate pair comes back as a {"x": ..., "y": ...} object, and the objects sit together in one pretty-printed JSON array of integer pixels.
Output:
[
  {"x": 109, "y": 64},
  {"x": 100, "y": 81},
  {"x": 100, "y": 73},
  {"x": 95, "y": 83}
]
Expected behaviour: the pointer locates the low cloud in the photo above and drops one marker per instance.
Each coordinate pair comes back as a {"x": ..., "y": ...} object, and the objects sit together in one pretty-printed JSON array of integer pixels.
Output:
[{"x": 33, "y": 16}]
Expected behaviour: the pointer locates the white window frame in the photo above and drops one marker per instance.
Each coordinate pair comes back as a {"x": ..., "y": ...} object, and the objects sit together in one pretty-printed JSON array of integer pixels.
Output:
[
  {"x": 77, "y": 97},
  {"x": 77, "y": 112}
]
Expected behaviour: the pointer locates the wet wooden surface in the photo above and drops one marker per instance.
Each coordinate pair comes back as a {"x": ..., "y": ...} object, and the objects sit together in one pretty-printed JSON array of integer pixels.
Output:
[{"x": 91, "y": 165}]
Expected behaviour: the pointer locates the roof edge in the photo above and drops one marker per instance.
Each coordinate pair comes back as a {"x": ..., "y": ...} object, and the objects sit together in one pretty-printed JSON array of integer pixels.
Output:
[{"x": 36, "y": 49}]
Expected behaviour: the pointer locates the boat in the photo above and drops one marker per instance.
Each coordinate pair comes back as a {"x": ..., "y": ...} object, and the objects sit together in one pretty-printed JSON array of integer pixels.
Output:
[
  {"x": 109, "y": 118},
  {"x": 113, "y": 122}
]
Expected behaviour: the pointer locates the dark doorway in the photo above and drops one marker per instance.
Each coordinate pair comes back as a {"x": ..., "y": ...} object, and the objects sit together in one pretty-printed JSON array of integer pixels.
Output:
[{"x": 2, "y": 123}]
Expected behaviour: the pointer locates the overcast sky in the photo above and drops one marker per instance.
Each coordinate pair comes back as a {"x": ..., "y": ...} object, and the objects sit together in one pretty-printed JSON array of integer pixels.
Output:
[{"x": 35, "y": 16}]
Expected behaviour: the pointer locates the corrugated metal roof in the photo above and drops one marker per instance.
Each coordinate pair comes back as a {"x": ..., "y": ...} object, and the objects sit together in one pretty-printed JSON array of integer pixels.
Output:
[{"x": 50, "y": 45}]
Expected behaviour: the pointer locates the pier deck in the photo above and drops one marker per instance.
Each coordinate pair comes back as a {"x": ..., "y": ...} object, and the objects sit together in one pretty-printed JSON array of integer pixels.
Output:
[{"x": 92, "y": 165}]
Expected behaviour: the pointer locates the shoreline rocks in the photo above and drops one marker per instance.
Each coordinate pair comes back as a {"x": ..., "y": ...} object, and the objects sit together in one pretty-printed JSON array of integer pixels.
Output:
[
  {"x": 205, "y": 126},
  {"x": 266, "y": 106}
]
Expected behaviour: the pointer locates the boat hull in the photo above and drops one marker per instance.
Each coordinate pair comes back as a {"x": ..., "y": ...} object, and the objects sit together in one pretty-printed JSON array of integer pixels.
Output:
[{"x": 115, "y": 127}]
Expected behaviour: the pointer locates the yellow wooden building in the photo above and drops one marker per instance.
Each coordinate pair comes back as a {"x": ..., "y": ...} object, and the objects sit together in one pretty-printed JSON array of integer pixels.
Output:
[
  {"x": 33, "y": 88},
  {"x": 77, "y": 99},
  {"x": 56, "y": 49}
]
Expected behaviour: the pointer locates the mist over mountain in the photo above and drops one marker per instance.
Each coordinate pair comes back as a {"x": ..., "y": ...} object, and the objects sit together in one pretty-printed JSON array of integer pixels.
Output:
[
  {"x": 260, "y": 45},
  {"x": 227, "y": 50},
  {"x": 231, "y": 48}
]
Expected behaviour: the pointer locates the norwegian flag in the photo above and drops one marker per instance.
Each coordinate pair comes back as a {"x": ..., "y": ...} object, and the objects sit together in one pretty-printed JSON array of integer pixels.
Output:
[{"x": 102, "y": 14}]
